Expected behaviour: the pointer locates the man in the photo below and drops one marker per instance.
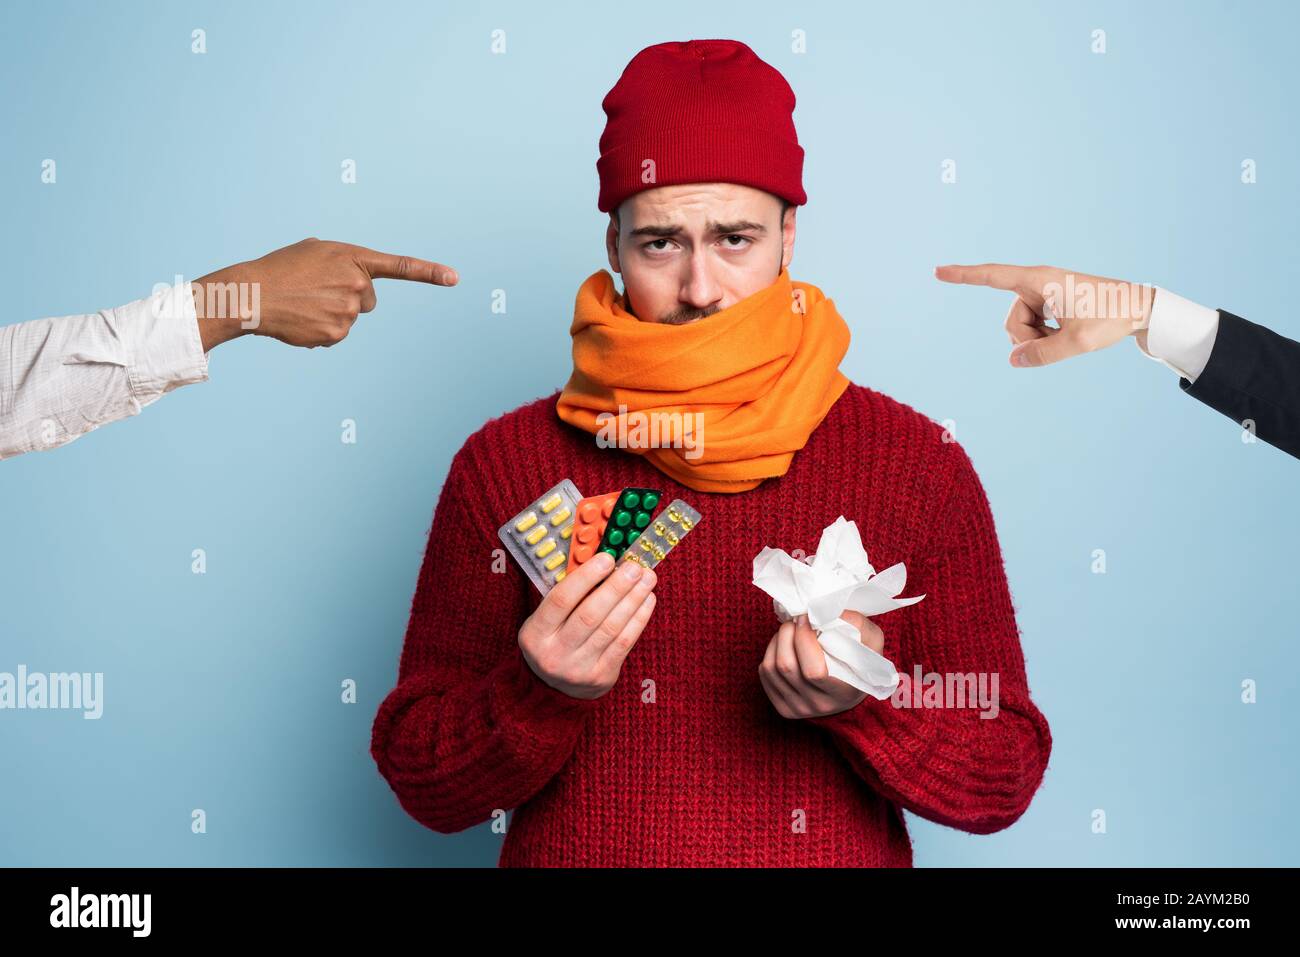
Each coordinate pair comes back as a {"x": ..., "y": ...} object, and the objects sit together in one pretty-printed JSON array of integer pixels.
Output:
[
  {"x": 65, "y": 376},
  {"x": 1239, "y": 368},
  {"x": 660, "y": 717}
]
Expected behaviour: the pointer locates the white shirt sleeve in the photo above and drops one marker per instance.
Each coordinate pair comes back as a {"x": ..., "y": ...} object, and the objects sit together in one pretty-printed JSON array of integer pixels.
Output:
[
  {"x": 1180, "y": 334},
  {"x": 63, "y": 377}
]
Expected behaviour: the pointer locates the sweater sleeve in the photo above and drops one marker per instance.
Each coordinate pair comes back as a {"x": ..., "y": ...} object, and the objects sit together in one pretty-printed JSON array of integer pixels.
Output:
[
  {"x": 470, "y": 728},
  {"x": 949, "y": 764}
]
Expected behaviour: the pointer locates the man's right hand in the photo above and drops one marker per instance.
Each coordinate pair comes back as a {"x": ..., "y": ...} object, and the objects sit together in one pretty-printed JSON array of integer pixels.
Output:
[
  {"x": 307, "y": 294},
  {"x": 579, "y": 635}
]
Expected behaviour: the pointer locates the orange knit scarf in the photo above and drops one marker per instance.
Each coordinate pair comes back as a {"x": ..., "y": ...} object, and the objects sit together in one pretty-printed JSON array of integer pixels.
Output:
[{"x": 719, "y": 404}]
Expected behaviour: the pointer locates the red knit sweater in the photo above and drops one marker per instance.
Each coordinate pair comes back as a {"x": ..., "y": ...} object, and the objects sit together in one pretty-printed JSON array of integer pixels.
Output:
[{"x": 703, "y": 770}]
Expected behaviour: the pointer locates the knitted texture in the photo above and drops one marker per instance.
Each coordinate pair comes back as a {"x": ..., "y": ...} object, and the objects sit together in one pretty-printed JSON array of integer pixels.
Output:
[
  {"x": 700, "y": 111},
  {"x": 685, "y": 762}
]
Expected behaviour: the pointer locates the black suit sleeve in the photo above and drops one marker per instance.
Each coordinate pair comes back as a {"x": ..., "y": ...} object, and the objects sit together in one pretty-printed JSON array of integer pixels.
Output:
[{"x": 1253, "y": 373}]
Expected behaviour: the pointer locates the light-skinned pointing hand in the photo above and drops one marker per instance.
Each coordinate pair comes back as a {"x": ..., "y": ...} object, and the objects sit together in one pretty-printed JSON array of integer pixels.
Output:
[{"x": 1092, "y": 312}]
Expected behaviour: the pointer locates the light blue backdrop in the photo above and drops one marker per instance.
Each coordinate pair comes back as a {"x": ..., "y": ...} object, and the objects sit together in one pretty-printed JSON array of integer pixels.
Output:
[{"x": 222, "y": 690}]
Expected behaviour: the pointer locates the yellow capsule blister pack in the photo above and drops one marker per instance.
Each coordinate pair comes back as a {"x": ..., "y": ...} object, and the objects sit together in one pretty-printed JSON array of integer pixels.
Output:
[
  {"x": 538, "y": 538},
  {"x": 662, "y": 534}
]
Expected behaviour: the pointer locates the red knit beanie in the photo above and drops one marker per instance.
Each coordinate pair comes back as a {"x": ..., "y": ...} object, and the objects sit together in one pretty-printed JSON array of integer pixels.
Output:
[{"x": 702, "y": 111}]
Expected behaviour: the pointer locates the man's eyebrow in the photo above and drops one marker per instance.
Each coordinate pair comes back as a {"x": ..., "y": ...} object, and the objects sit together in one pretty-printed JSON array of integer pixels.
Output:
[
  {"x": 723, "y": 229},
  {"x": 739, "y": 226}
]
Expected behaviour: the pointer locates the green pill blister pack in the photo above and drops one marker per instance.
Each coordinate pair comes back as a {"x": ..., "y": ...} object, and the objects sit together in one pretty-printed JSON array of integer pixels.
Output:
[{"x": 630, "y": 517}]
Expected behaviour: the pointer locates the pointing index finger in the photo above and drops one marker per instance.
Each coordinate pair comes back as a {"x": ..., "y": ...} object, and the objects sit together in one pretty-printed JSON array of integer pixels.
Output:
[
  {"x": 388, "y": 266},
  {"x": 996, "y": 275}
]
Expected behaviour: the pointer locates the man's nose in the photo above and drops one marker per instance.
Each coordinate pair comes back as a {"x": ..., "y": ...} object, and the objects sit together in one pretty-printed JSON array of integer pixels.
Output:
[{"x": 700, "y": 289}]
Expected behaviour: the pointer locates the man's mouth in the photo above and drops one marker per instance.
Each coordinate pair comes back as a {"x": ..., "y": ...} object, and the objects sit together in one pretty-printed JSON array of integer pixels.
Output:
[{"x": 681, "y": 319}]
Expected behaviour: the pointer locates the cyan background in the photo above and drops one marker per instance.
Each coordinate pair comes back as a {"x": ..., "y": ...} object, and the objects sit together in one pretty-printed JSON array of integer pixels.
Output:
[{"x": 222, "y": 690}]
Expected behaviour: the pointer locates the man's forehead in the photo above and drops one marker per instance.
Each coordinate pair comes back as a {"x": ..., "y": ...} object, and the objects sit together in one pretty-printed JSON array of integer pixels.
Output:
[{"x": 698, "y": 206}]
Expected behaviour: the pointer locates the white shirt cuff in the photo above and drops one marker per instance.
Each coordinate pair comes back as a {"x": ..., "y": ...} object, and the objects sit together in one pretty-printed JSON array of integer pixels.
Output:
[
  {"x": 161, "y": 334},
  {"x": 1180, "y": 333}
]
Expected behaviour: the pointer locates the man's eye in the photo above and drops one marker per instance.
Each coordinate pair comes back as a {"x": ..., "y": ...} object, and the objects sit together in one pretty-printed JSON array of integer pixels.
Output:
[
  {"x": 654, "y": 244},
  {"x": 743, "y": 239}
]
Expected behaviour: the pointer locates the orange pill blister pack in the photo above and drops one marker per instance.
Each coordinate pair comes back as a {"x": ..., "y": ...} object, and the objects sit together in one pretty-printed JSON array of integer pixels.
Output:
[{"x": 592, "y": 517}]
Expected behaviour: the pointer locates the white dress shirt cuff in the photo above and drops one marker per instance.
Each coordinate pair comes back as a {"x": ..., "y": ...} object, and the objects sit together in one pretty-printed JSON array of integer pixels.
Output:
[
  {"x": 161, "y": 335},
  {"x": 1180, "y": 333}
]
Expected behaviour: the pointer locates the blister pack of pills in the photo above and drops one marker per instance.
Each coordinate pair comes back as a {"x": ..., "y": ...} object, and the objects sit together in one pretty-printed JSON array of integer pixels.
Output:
[
  {"x": 629, "y": 519},
  {"x": 663, "y": 534},
  {"x": 589, "y": 527},
  {"x": 539, "y": 537}
]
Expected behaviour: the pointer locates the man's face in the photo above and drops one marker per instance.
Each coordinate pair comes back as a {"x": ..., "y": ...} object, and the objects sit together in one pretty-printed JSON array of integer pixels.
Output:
[{"x": 685, "y": 252}]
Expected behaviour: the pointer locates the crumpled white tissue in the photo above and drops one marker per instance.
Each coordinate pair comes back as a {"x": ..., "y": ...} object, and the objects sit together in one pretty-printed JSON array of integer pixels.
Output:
[{"x": 838, "y": 577}]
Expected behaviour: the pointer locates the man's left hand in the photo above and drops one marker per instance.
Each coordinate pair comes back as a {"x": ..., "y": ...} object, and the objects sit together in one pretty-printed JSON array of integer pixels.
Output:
[{"x": 794, "y": 675}]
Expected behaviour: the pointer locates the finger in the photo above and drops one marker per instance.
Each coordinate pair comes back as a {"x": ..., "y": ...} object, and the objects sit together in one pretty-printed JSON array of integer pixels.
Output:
[
  {"x": 1045, "y": 351},
  {"x": 769, "y": 655},
  {"x": 869, "y": 633},
  {"x": 774, "y": 695},
  {"x": 561, "y": 600},
  {"x": 812, "y": 660},
  {"x": 612, "y": 627},
  {"x": 778, "y": 691},
  {"x": 996, "y": 275},
  {"x": 621, "y": 646},
  {"x": 1042, "y": 333},
  {"x": 767, "y": 668},
  {"x": 1023, "y": 324},
  {"x": 787, "y": 671},
  {"x": 387, "y": 266},
  {"x": 595, "y": 608},
  {"x": 368, "y": 300}
]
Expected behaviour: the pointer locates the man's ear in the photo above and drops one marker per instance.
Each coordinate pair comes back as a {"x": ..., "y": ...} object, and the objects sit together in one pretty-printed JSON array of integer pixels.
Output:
[
  {"x": 611, "y": 241},
  {"x": 787, "y": 236}
]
